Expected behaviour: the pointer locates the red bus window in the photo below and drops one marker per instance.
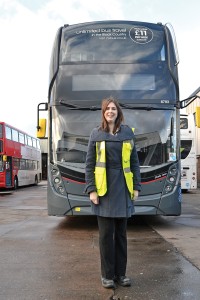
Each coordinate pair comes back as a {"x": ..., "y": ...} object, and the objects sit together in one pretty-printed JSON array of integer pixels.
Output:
[
  {"x": 8, "y": 133},
  {"x": 30, "y": 143},
  {"x": 15, "y": 136},
  {"x": 1, "y": 131},
  {"x": 21, "y": 138}
]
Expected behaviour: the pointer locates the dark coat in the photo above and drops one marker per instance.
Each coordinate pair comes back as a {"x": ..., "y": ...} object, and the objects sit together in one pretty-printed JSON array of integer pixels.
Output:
[{"x": 116, "y": 202}]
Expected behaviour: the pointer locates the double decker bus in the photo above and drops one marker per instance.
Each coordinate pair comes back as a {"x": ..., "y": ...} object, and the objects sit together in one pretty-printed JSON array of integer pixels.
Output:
[
  {"x": 20, "y": 158},
  {"x": 188, "y": 152},
  {"x": 135, "y": 62}
]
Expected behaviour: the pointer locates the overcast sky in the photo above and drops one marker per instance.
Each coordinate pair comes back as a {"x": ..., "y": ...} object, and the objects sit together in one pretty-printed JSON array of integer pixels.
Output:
[{"x": 27, "y": 31}]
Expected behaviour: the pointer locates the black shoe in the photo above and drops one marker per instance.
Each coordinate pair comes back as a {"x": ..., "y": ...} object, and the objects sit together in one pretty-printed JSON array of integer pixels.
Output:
[
  {"x": 107, "y": 283},
  {"x": 123, "y": 280}
]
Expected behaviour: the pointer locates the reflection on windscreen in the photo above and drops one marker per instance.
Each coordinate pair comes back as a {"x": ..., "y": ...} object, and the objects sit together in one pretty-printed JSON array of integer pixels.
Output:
[
  {"x": 92, "y": 42},
  {"x": 72, "y": 150},
  {"x": 150, "y": 149},
  {"x": 155, "y": 135}
]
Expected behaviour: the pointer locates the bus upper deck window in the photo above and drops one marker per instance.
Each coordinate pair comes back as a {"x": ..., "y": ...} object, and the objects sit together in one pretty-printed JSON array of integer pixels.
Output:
[
  {"x": 1, "y": 146},
  {"x": 1, "y": 131}
]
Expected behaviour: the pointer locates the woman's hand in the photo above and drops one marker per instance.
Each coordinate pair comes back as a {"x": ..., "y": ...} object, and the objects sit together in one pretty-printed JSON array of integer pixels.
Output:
[
  {"x": 94, "y": 197},
  {"x": 136, "y": 193}
]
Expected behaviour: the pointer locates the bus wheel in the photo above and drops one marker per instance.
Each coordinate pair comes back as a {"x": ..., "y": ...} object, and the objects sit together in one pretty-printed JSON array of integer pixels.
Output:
[
  {"x": 15, "y": 183},
  {"x": 36, "y": 180}
]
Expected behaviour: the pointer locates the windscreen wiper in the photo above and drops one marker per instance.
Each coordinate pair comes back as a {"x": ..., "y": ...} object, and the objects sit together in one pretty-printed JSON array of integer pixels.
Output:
[
  {"x": 148, "y": 107},
  {"x": 125, "y": 106},
  {"x": 76, "y": 107}
]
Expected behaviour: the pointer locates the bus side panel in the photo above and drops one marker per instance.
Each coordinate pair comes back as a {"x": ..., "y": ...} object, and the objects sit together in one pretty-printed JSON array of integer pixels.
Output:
[
  {"x": 58, "y": 205},
  {"x": 170, "y": 204},
  {"x": 147, "y": 205},
  {"x": 2, "y": 180}
]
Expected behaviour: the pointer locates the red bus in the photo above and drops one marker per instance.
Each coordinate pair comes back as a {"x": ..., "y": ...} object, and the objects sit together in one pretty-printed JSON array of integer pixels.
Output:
[{"x": 20, "y": 158}]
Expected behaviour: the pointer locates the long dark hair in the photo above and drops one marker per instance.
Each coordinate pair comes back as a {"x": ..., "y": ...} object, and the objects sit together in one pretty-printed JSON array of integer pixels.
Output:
[{"x": 120, "y": 117}]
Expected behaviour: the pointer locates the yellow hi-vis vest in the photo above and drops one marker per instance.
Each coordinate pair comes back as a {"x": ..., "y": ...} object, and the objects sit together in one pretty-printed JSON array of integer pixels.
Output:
[{"x": 100, "y": 168}]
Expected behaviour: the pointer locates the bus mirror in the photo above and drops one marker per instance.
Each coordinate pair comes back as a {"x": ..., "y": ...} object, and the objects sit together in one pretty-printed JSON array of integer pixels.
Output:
[
  {"x": 4, "y": 157},
  {"x": 41, "y": 129},
  {"x": 197, "y": 116}
]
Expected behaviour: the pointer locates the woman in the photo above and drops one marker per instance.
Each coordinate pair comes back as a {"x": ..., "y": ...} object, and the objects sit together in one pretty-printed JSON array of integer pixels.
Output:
[{"x": 112, "y": 182}]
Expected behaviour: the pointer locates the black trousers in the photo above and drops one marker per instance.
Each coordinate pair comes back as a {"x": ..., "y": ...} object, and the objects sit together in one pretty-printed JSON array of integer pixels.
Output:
[{"x": 113, "y": 246}]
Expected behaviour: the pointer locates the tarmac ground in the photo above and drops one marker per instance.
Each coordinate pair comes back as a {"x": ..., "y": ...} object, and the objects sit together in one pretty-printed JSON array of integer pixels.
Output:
[{"x": 53, "y": 258}]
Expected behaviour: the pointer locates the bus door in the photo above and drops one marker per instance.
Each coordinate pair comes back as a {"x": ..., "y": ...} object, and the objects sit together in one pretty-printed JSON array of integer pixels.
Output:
[{"x": 8, "y": 170}]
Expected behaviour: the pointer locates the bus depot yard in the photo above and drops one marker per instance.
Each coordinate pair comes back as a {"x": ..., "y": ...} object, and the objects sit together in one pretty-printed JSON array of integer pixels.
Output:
[{"x": 47, "y": 257}]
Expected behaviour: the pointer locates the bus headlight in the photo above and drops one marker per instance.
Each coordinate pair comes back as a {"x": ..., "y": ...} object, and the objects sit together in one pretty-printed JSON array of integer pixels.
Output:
[
  {"x": 173, "y": 171},
  {"x": 61, "y": 189},
  {"x": 54, "y": 171},
  {"x": 57, "y": 180},
  {"x": 168, "y": 188},
  {"x": 171, "y": 179}
]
